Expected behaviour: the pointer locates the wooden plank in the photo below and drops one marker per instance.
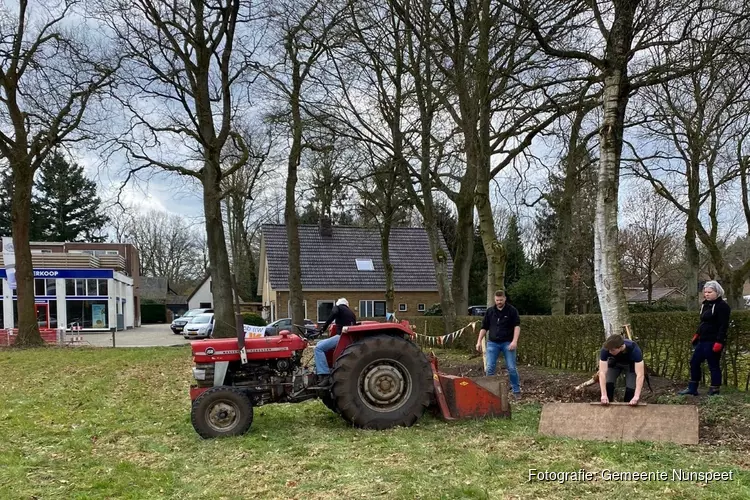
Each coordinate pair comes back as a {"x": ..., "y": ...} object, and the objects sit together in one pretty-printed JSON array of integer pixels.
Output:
[{"x": 667, "y": 423}]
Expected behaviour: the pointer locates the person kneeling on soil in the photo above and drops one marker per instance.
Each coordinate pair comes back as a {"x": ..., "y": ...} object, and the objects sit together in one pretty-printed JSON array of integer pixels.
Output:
[
  {"x": 343, "y": 316},
  {"x": 618, "y": 356}
]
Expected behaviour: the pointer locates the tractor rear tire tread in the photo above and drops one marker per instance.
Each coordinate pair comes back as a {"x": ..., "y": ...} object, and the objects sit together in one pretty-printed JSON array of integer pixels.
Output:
[{"x": 357, "y": 357}]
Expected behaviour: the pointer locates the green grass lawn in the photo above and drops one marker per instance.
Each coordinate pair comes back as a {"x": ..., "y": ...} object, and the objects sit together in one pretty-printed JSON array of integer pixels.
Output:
[{"x": 115, "y": 423}]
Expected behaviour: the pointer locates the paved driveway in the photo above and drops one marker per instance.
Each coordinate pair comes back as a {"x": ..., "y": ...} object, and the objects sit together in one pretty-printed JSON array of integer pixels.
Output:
[{"x": 144, "y": 336}]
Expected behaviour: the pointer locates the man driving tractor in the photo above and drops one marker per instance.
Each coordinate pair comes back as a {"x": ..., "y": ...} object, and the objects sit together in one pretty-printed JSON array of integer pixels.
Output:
[{"x": 343, "y": 316}]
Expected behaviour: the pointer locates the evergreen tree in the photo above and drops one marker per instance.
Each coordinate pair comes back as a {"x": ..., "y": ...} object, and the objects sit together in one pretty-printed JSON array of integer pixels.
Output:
[
  {"x": 66, "y": 203},
  {"x": 516, "y": 265},
  {"x": 6, "y": 197}
]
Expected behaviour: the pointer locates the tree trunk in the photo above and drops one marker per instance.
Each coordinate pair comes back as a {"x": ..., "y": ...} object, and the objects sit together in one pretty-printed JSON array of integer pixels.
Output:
[
  {"x": 733, "y": 290},
  {"x": 606, "y": 234},
  {"x": 385, "y": 239},
  {"x": 692, "y": 255},
  {"x": 218, "y": 257},
  {"x": 297, "y": 313},
  {"x": 464, "y": 243},
  {"x": 573, "y": 162},
  {"x": 28, "y": 328},
  {"x": 493, "y": 248}
]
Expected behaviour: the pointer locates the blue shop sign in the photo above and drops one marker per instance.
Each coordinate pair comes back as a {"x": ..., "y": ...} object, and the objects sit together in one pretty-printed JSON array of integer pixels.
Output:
[{"x": 69, "y": 273}]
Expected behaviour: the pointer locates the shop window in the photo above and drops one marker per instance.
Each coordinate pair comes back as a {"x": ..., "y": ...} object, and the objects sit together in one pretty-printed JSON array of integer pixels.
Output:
[
  {"x": 70, "y": 287},
  {"x": 91, "y": 287},
  {"x": 52, "y": 313},
  {"x": 2, "y": 317},
  {"x": 103, "y": 289},
  {"x": 88, "y": 313},
  {"x": 44, "y": 286},
  {"x": 80, "y": 287}
]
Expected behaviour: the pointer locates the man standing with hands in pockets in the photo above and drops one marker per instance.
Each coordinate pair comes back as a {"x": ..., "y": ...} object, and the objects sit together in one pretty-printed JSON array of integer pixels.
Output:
[{"x": 504, "y": 326}]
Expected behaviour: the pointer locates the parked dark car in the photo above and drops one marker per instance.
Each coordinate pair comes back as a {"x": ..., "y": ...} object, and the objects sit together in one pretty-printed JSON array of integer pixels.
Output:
[
  {"x": 286, "y": 324},
  {"x": 477, "y": 310}
]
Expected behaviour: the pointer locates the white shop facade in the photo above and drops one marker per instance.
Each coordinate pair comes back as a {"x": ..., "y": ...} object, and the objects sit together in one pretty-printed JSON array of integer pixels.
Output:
[{"x": 91, "y": 299}]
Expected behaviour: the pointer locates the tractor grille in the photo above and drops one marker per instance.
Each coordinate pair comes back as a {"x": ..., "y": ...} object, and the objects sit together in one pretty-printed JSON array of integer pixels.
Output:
[{"x": 208, "y": 369}]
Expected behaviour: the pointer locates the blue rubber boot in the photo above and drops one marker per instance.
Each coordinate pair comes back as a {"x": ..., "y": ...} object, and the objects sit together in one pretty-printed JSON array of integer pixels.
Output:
[{"x": 692, "y": 390}]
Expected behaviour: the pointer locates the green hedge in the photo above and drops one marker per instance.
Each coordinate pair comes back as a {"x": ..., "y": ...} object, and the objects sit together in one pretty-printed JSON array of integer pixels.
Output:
[
  {"x": 253, "y": 319},
  {"x": 153, "y": 313},
  {"x": 572, "y": 342}
]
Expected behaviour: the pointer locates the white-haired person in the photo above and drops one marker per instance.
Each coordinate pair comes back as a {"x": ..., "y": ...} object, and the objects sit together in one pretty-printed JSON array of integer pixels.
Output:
[
  {"x": 343, "y": 316},
  {"x": 709, "y": 339}
]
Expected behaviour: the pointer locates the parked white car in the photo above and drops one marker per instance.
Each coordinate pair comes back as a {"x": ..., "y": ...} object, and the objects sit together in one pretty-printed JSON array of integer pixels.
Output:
[
  {"x": 199, "y": 327},
  {"x": 178, "y": 325}
]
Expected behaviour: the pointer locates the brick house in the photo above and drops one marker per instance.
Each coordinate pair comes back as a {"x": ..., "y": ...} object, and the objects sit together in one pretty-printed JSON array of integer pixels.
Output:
[{"x": 346, "y": 261}]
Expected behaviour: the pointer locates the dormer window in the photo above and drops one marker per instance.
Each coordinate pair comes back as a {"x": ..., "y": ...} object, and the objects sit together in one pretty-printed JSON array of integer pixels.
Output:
[{"x": 365, "y": 265}]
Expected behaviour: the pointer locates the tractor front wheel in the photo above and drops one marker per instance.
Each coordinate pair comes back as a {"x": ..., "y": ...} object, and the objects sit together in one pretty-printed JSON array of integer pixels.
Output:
[
  {"x": 381, "y": 382},
  {"x": 222, "y": 411}
]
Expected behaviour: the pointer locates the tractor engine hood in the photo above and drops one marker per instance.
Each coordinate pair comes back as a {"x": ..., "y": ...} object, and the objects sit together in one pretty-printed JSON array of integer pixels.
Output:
[{"x": 263, "y": 348}]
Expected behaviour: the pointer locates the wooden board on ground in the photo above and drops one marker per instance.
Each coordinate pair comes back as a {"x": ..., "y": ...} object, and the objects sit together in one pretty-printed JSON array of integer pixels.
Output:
[{"x": 654, "y": 422}]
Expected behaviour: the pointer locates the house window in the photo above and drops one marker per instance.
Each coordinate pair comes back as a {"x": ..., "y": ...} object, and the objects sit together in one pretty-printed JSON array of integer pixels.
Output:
[
  {"x": 289, "y": 307},
  {"x": 365, "y": 265},
  {"x": 402, "y": 307},
  {"x": 372, "y": 308},
  {"x": 420, "y": 308},
  {"x": 324, "y": 310}
]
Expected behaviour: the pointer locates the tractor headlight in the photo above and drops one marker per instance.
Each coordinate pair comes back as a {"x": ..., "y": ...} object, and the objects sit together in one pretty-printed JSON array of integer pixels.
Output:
[{"x": 199, "y": 374}]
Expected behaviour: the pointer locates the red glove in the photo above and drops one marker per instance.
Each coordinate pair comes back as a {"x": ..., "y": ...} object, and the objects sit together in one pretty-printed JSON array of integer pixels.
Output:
[
  {"x": 695, "y": 339},
  {"x": 718, "y": 347}
]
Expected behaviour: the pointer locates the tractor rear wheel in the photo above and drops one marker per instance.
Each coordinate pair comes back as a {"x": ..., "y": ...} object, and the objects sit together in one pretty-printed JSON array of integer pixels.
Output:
[
  {"x": 222, "y": 411},
  {"x": 382, "y": 381},
  {"x": 327, "y": 398}
]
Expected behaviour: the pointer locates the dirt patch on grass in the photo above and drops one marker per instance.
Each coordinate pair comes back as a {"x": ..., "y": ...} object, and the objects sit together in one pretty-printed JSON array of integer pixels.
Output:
[{"x": 724, "y": 420}]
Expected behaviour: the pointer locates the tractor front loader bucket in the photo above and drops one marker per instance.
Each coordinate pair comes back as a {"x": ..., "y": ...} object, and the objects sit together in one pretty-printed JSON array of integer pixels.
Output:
[
  {"x": 469, "y": 397},
  {"x": 621, "y": 422}
]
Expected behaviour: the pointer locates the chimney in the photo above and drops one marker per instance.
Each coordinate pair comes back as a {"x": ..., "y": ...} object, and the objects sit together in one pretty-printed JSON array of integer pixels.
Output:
[{"x": 326, "y": 229}]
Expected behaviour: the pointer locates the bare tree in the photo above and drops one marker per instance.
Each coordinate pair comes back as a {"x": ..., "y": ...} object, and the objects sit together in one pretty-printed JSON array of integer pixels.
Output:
[
  {"x": 240, "y": 203},
  {"x": 301, "y": 32},
  {"x": 50, "y": 74},
  {"x": 623, "y": 42},
  {"x": 167, "y": 245},
  {"x": 698, "y": 129},
  {"x": 650, "y": 253},
  {"x": 180, "y": 90},
  {"x": 384, "y": 201},
  {"x": 384, "y": 80}
]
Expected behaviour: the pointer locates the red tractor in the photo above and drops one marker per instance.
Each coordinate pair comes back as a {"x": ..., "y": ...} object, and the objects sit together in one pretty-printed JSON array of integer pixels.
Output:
[{"x": 380, "y": 379}]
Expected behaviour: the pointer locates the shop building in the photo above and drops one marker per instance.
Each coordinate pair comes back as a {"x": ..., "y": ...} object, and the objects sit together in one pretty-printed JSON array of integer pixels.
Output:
[{"x": 89, "y": 285}]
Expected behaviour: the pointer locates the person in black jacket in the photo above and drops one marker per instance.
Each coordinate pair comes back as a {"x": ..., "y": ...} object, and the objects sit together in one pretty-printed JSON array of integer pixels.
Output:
[
  {"x": 709, "y": 339},
  {"x": 503, "y": 324},
  {"x": 343, "y": 316}
]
